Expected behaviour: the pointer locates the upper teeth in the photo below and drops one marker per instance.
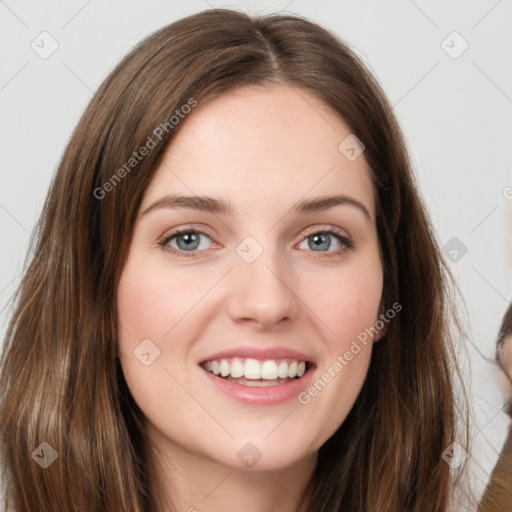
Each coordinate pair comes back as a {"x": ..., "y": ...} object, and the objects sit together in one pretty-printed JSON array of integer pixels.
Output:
[{"x": 254, "y": 369}]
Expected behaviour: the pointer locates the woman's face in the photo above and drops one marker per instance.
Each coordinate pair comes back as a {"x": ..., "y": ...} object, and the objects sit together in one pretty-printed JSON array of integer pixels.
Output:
[
  {"x": 506, "y": 355},
  {"x": 506, "y": 359},
  {"x": 268, "y": 276}
]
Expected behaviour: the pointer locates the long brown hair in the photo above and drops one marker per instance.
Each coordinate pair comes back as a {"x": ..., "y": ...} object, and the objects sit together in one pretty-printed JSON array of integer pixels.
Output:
[{"x": 61, "y": 382}]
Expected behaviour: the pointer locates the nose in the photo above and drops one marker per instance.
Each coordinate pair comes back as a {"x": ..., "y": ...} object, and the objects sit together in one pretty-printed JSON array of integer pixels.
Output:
[{"x": 262, "y": 291}]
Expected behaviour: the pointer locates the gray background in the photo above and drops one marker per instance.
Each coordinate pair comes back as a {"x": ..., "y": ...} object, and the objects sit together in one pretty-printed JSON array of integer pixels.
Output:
[{"x": 455, "y": 112}]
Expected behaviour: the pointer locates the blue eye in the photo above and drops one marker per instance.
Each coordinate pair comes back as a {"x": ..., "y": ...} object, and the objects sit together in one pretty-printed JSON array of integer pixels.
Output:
[
  {"x": 321, "y": 241},
  {"x": 188, "y": 243}
]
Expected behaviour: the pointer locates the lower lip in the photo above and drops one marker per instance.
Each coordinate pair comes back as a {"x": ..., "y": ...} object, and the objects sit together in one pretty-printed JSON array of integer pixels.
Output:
[{"x": 269, "y": 395}]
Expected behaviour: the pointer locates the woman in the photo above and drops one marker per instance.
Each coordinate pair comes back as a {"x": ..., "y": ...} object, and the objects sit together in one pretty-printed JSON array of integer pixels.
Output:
[
  {"x": 498, "y": 494},
  {"x": 236, "y": 299}
]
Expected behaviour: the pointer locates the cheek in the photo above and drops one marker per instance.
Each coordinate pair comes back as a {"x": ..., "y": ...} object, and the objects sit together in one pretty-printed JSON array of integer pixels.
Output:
[
  {"x": 151, "y": 302},
  {"x": 148, "y": 308},
  {"x": 347, "y": 302},
  {"x": 347, "y": 308}
]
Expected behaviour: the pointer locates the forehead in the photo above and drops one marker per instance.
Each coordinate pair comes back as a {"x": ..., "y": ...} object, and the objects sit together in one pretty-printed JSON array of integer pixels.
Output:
[{"x": 259, "y": 144}]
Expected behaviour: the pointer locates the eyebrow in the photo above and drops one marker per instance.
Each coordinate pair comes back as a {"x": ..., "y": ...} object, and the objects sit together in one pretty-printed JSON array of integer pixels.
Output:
[{"x": 219, "y": 206}]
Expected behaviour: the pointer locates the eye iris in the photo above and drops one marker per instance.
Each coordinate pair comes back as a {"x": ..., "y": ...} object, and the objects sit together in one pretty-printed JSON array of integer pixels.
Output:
[
  {"x": 320, "y": 240},
  {"x": 189, "y": 240}
]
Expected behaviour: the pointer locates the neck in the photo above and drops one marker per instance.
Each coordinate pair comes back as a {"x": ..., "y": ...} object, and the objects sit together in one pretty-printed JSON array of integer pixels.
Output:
[{"x": 185, "y": 481}]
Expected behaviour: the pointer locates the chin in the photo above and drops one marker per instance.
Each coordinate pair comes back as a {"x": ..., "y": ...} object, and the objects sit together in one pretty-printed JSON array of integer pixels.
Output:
[{"x": 261, "y": 455}]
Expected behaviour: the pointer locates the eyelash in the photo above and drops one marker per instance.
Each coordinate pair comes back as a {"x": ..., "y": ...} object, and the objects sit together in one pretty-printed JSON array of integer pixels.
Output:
[{"x": 345, "y": 242}]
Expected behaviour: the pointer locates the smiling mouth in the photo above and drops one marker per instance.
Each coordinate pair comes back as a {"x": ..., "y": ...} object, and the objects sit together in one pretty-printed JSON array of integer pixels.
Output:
[{"x": 255, "y": 373}]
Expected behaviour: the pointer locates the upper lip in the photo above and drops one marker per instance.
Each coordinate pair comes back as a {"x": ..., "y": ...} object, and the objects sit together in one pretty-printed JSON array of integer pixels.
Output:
[{"x": 261, "y": 354}]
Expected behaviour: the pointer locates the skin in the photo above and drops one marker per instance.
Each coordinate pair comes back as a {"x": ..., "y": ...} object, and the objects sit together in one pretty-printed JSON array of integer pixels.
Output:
[
  {"x": 504, "y": 352},
  {"x": 498, "y": 492},
  {"x": 262, "y": 149},
  {"x": 506, "y": 355},
  {"x": 506, "y": 359}
]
